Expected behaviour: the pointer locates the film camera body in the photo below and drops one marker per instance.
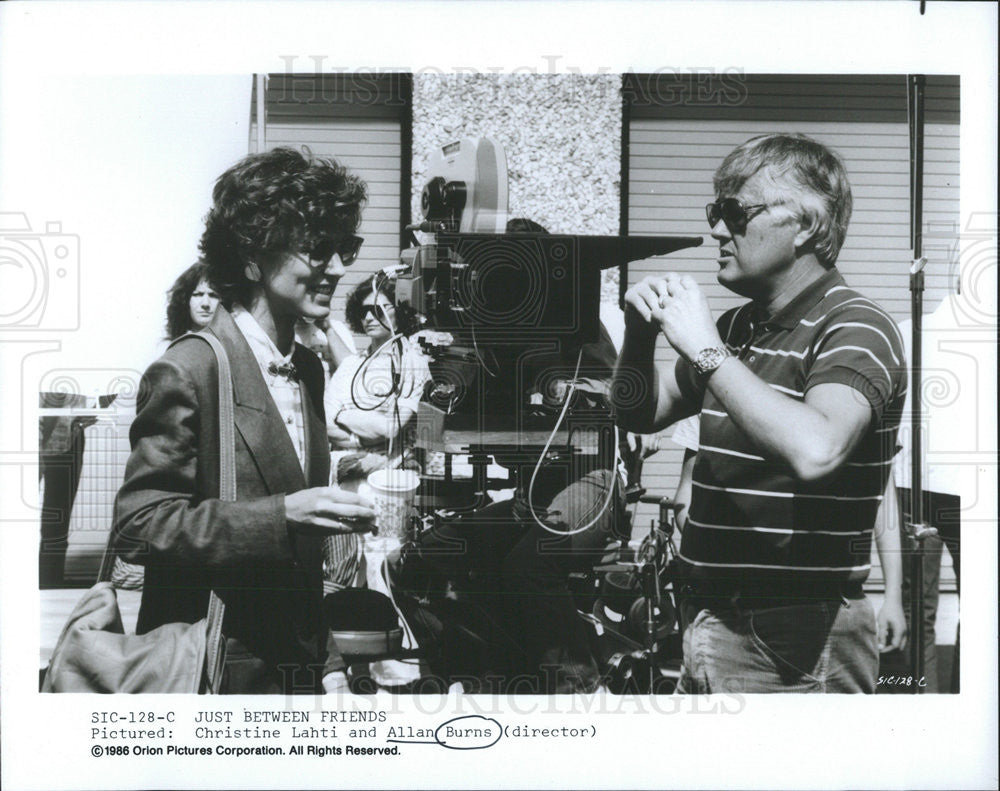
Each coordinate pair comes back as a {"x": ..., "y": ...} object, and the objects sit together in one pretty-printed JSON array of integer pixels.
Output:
[{"x": 499, "y": 305}]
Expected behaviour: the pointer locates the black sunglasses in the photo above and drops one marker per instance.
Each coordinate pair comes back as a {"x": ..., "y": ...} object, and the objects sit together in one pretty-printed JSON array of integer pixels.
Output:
[
  {"x": 732, "y": 212},
  {"x": 377, "y": 310},
  {"x": 346, "y": 247}
]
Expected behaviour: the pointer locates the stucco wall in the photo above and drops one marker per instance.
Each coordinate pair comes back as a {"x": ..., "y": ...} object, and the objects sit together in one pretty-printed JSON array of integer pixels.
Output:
[{"x": 561, "y": 134}]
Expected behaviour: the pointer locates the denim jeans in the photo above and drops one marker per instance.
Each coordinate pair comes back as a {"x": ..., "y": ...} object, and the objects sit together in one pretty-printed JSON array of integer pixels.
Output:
[{"x": 825, "y": 646}]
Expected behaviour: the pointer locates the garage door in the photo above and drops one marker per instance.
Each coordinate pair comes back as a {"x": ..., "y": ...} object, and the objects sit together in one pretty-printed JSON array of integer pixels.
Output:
[
  {"x": 675, "y": 146},
  {"x": 362, "y": 121}
]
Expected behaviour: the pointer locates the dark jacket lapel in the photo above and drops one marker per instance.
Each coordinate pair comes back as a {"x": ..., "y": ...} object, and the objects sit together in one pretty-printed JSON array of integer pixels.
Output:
[
  {"x": 257, "y": 418},
  {"x": 311, "y": 384}
]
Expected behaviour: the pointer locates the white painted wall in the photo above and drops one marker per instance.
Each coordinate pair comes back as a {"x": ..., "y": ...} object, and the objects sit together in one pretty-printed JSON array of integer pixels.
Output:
[{"x": 126, "y": 164}]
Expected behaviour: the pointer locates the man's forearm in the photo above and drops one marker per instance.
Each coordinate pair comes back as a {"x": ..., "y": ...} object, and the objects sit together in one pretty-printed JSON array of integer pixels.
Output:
[
  {"x": 781, "y": 427},
  {"x": 635, "y": 383},
  {"x": 645, "y": 399},
  {"x": 891, "y": 559},
  {"x": 373, "y": 425}
]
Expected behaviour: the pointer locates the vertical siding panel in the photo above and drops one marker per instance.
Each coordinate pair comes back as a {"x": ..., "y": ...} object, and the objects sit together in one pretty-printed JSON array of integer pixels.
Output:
[{"x": 358, "y": 123}]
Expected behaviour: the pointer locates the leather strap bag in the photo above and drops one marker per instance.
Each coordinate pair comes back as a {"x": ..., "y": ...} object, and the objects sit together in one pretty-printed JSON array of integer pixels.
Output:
[{"x": 93, "y": 653}]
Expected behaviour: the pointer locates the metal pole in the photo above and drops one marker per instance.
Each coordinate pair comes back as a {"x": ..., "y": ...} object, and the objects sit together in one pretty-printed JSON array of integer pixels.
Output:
[
  {"x": 261, "y": 113},
  {"x": 915, "y": 97}
]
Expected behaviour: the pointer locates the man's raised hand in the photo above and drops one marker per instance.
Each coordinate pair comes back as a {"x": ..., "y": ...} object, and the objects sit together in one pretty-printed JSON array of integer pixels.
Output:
[{"x": 642, "y": 304}]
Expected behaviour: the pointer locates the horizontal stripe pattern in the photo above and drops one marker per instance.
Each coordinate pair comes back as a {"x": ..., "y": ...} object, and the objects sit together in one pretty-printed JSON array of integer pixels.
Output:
[
  {"x": 782, "y": 530},
  {"x": 749, "y": 515},
  {"x": 852, "y": 571}
]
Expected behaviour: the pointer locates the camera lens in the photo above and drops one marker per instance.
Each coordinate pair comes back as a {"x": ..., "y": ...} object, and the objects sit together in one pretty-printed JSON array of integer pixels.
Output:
[
  {"x": 432, "y": 202},
  {"x": 454, "y": 196},
  {"x": 442, "y": 200}
]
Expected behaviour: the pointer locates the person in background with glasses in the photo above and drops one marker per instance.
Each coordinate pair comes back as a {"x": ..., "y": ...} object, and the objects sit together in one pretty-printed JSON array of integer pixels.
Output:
[
  {"x": 799, "y": 392},
  {"x": 373, "y": 395},
  {"x": 276, "y": 241}
]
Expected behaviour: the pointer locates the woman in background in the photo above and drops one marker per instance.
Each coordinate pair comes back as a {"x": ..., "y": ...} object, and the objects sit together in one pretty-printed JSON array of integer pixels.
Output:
[
  {"x": 373, "y": 395},
  {"x": 191, "y": 302}
]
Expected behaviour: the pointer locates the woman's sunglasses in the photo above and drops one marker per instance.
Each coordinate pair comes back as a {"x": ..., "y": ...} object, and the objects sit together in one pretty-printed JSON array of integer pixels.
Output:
[
  {"x": 346, "y": 247},
  {"x": 733, "y": 213},
  {"x": 376, "y": 310}
]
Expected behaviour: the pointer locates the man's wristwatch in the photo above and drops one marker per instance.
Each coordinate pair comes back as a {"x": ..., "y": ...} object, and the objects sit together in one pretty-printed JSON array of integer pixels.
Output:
[{"x": 707, "y": 360}]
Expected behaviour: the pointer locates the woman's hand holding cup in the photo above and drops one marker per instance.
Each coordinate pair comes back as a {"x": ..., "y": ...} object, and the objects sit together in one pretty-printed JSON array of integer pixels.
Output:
[{"x": 328, "y": 510}]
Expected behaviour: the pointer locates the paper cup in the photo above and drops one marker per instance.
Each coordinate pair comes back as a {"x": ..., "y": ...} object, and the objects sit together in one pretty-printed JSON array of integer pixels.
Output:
[{"x": 393, "y": 493}]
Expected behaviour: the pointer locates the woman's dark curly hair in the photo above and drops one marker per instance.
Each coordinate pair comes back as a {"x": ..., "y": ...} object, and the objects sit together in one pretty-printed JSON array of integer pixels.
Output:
[
  {"x": 271, "y": 204},
  {"x": 179, "y": 299},
  {"x": 355, "y": 300}
]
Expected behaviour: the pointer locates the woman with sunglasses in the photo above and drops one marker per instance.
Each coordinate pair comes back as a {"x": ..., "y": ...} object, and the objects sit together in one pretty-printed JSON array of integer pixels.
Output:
[
  {"x": 329, "y": 338},
  {"x": 373, "y": 395},
  {"x": 277, "y": 238}
]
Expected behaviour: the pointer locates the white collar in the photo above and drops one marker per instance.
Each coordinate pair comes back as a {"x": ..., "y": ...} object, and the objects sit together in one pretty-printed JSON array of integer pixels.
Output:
[{"x": 261, "y": 345}]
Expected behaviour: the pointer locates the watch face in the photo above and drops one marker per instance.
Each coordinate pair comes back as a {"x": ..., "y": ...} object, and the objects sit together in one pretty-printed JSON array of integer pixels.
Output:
[{"x": 709, "y": 359}]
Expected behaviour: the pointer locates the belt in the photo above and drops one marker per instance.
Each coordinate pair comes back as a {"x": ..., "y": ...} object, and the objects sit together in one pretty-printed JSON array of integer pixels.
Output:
[{"x": 709, "y": 595}]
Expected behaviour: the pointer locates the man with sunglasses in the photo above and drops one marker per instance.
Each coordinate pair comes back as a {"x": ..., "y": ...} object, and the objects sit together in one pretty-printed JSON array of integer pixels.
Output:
[{"x": 799, "y": 392}]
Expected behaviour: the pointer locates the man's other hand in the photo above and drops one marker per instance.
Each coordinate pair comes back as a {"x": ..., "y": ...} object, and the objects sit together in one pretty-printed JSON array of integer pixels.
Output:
[
  {"x": 891, "y": 625},
  {"x": 686, "y": 318}
]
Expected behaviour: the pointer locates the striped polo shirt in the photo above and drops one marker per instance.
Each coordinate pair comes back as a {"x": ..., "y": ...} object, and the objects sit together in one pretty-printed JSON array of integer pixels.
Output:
[{"x": 750, "y": 518}]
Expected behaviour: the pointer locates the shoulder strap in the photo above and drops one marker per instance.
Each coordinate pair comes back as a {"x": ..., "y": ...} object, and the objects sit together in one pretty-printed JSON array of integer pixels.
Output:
[
  {"x": 227, "y": 425},
  {"x": 215, "y": 653}
]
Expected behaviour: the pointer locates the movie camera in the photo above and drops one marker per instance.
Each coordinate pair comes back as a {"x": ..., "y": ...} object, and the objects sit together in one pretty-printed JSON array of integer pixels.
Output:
[{"x": 500, "y": 305}]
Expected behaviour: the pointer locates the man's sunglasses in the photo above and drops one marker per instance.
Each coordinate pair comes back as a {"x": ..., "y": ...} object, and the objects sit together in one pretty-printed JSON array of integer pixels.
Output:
[
  {"x": 732, "y": 212},
  {"x": 346, "y": 247}
]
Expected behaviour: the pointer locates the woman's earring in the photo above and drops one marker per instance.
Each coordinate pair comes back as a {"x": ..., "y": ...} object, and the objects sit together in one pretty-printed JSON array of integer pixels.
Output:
[{"x": 252, "y": 271}]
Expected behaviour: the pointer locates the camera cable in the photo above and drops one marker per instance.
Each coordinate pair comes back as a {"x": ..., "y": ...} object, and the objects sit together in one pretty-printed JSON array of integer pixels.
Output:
[{"x": 544, "y": 453}]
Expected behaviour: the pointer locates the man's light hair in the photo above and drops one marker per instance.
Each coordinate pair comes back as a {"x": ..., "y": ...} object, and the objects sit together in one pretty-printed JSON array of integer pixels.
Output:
[{"x": 813, "y": 174}]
